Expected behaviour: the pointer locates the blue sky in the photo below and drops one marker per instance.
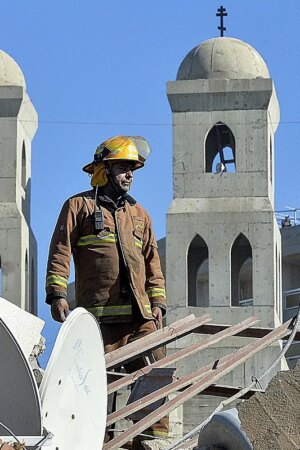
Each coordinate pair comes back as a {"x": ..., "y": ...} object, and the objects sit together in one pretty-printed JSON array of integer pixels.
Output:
[{"x": 95, "y": 69}]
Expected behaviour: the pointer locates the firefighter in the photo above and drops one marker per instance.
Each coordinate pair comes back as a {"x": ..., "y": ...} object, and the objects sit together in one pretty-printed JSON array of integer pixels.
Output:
[{"x": 118, "y": 277}]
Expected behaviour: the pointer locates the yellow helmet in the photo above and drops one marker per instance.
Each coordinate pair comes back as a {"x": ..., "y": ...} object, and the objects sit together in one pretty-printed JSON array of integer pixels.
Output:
[{"x": 120, "y": 148}]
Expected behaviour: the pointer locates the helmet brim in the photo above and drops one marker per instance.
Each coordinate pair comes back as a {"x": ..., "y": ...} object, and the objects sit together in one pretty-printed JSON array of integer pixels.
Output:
[{"x": 89, "y": 168}]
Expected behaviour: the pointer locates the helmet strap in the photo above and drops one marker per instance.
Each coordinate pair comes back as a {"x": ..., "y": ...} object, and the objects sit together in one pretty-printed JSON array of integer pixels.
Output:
[{"x": 111, "y": 181}]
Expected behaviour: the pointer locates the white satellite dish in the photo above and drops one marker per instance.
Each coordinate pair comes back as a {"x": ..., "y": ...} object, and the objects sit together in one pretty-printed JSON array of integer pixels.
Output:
[
  {"x": 20, "y": 408},
  {"x": 71, "y": 406},
  {"x": 74, "y": 388},
  {"x": 224, "y": 430},
  {"x": 25, "y": 327}
]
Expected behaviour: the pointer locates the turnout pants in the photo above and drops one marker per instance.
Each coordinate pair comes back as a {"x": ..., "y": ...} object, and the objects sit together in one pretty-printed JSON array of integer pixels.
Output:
[{"x": 116, "y": 335}]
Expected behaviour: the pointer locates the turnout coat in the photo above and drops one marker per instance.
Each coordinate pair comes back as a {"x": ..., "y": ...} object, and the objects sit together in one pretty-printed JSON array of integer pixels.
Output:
[{"x": 117, "y": 268}]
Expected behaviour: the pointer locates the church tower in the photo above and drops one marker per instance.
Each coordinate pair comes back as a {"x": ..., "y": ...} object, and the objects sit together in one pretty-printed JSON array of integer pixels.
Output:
[
  {"x": 18, "y": 249},
  {"x": 223, "y": 247}
]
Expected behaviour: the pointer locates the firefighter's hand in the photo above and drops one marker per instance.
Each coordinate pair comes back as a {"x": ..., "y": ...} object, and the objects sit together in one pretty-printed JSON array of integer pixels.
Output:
[
  {"x": 157, "y": 314},
  {"x": 59, "y": 309}
]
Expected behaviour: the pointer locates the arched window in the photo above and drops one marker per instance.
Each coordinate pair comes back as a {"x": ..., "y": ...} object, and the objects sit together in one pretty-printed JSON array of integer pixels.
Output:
[
  {"x": 278, "y": 282},
  {"x": 220, "y": 149},
  {"x": 198, "y": 276},
  {"x": 0, "y": 277},
  {"x": 32, "y": 289},
  {"x": 23, "y": 175},
  {"x": 276, "y": 279},
  {"x": 241, "y": 272},
  {"x": 202, "y": 286},
  {"x": 271, "y": 160},
  {"x": 26, "y": 282}
]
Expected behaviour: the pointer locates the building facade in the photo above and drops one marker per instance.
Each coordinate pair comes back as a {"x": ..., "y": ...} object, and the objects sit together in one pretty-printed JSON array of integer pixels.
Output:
[
  {"x": 18, "y": 249},
  {"x": 223, "y": 244}
]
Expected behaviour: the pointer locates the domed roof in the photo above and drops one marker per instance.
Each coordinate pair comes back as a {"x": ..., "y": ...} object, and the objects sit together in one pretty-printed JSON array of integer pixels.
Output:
[
  {"x": 10, "y": 72},
  {"x": 223, "y": 57}
]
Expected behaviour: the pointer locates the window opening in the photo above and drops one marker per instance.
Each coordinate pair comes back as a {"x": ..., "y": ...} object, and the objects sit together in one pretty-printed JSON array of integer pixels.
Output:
[
  {"x": 23, "y": 180},
  {"x": 292, "y": 298},
  {"x": 71, "y": 286},
  {"x": 202, "y": 287},
  {"x": 245, "y": 283},
  {"x": 26, "y": 282},
  {"x": 32, "y": 289},
  {"x": 277, "y": 281},
  {"x": 293, "y": 353},
  {"x": 280, "y": 289},
  {"x": 0, "y": 278},
  {"x": 271, "y": 160},
  {"x": 220, "y": 149},
  {"x": 198, "y": 276},
  {"x": 241, "y": 272}
]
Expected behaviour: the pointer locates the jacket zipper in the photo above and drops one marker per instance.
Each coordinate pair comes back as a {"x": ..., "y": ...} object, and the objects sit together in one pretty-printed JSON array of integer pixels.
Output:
[{"x": 123, "y": 256}]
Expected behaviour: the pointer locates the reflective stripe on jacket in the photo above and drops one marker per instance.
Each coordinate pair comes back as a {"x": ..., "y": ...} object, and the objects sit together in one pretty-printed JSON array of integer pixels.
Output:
[{"x": 127, "y": 241}]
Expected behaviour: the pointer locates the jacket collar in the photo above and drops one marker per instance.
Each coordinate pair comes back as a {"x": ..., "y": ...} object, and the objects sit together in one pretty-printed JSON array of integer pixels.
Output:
[{"x": 116, "y": 204}]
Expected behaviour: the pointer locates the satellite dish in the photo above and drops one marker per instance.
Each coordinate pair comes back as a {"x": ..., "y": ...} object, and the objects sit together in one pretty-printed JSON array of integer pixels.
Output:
[
  {"x": 25, "y": 327},
  {"x": 20, "y": 408},
  {"x": 74, "y": 388},
  {"x": 224, "y": 429}
]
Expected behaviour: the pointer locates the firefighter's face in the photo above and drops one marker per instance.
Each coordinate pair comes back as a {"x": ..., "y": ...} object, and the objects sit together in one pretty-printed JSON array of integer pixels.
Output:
[{"x": 122, "y": 175}]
